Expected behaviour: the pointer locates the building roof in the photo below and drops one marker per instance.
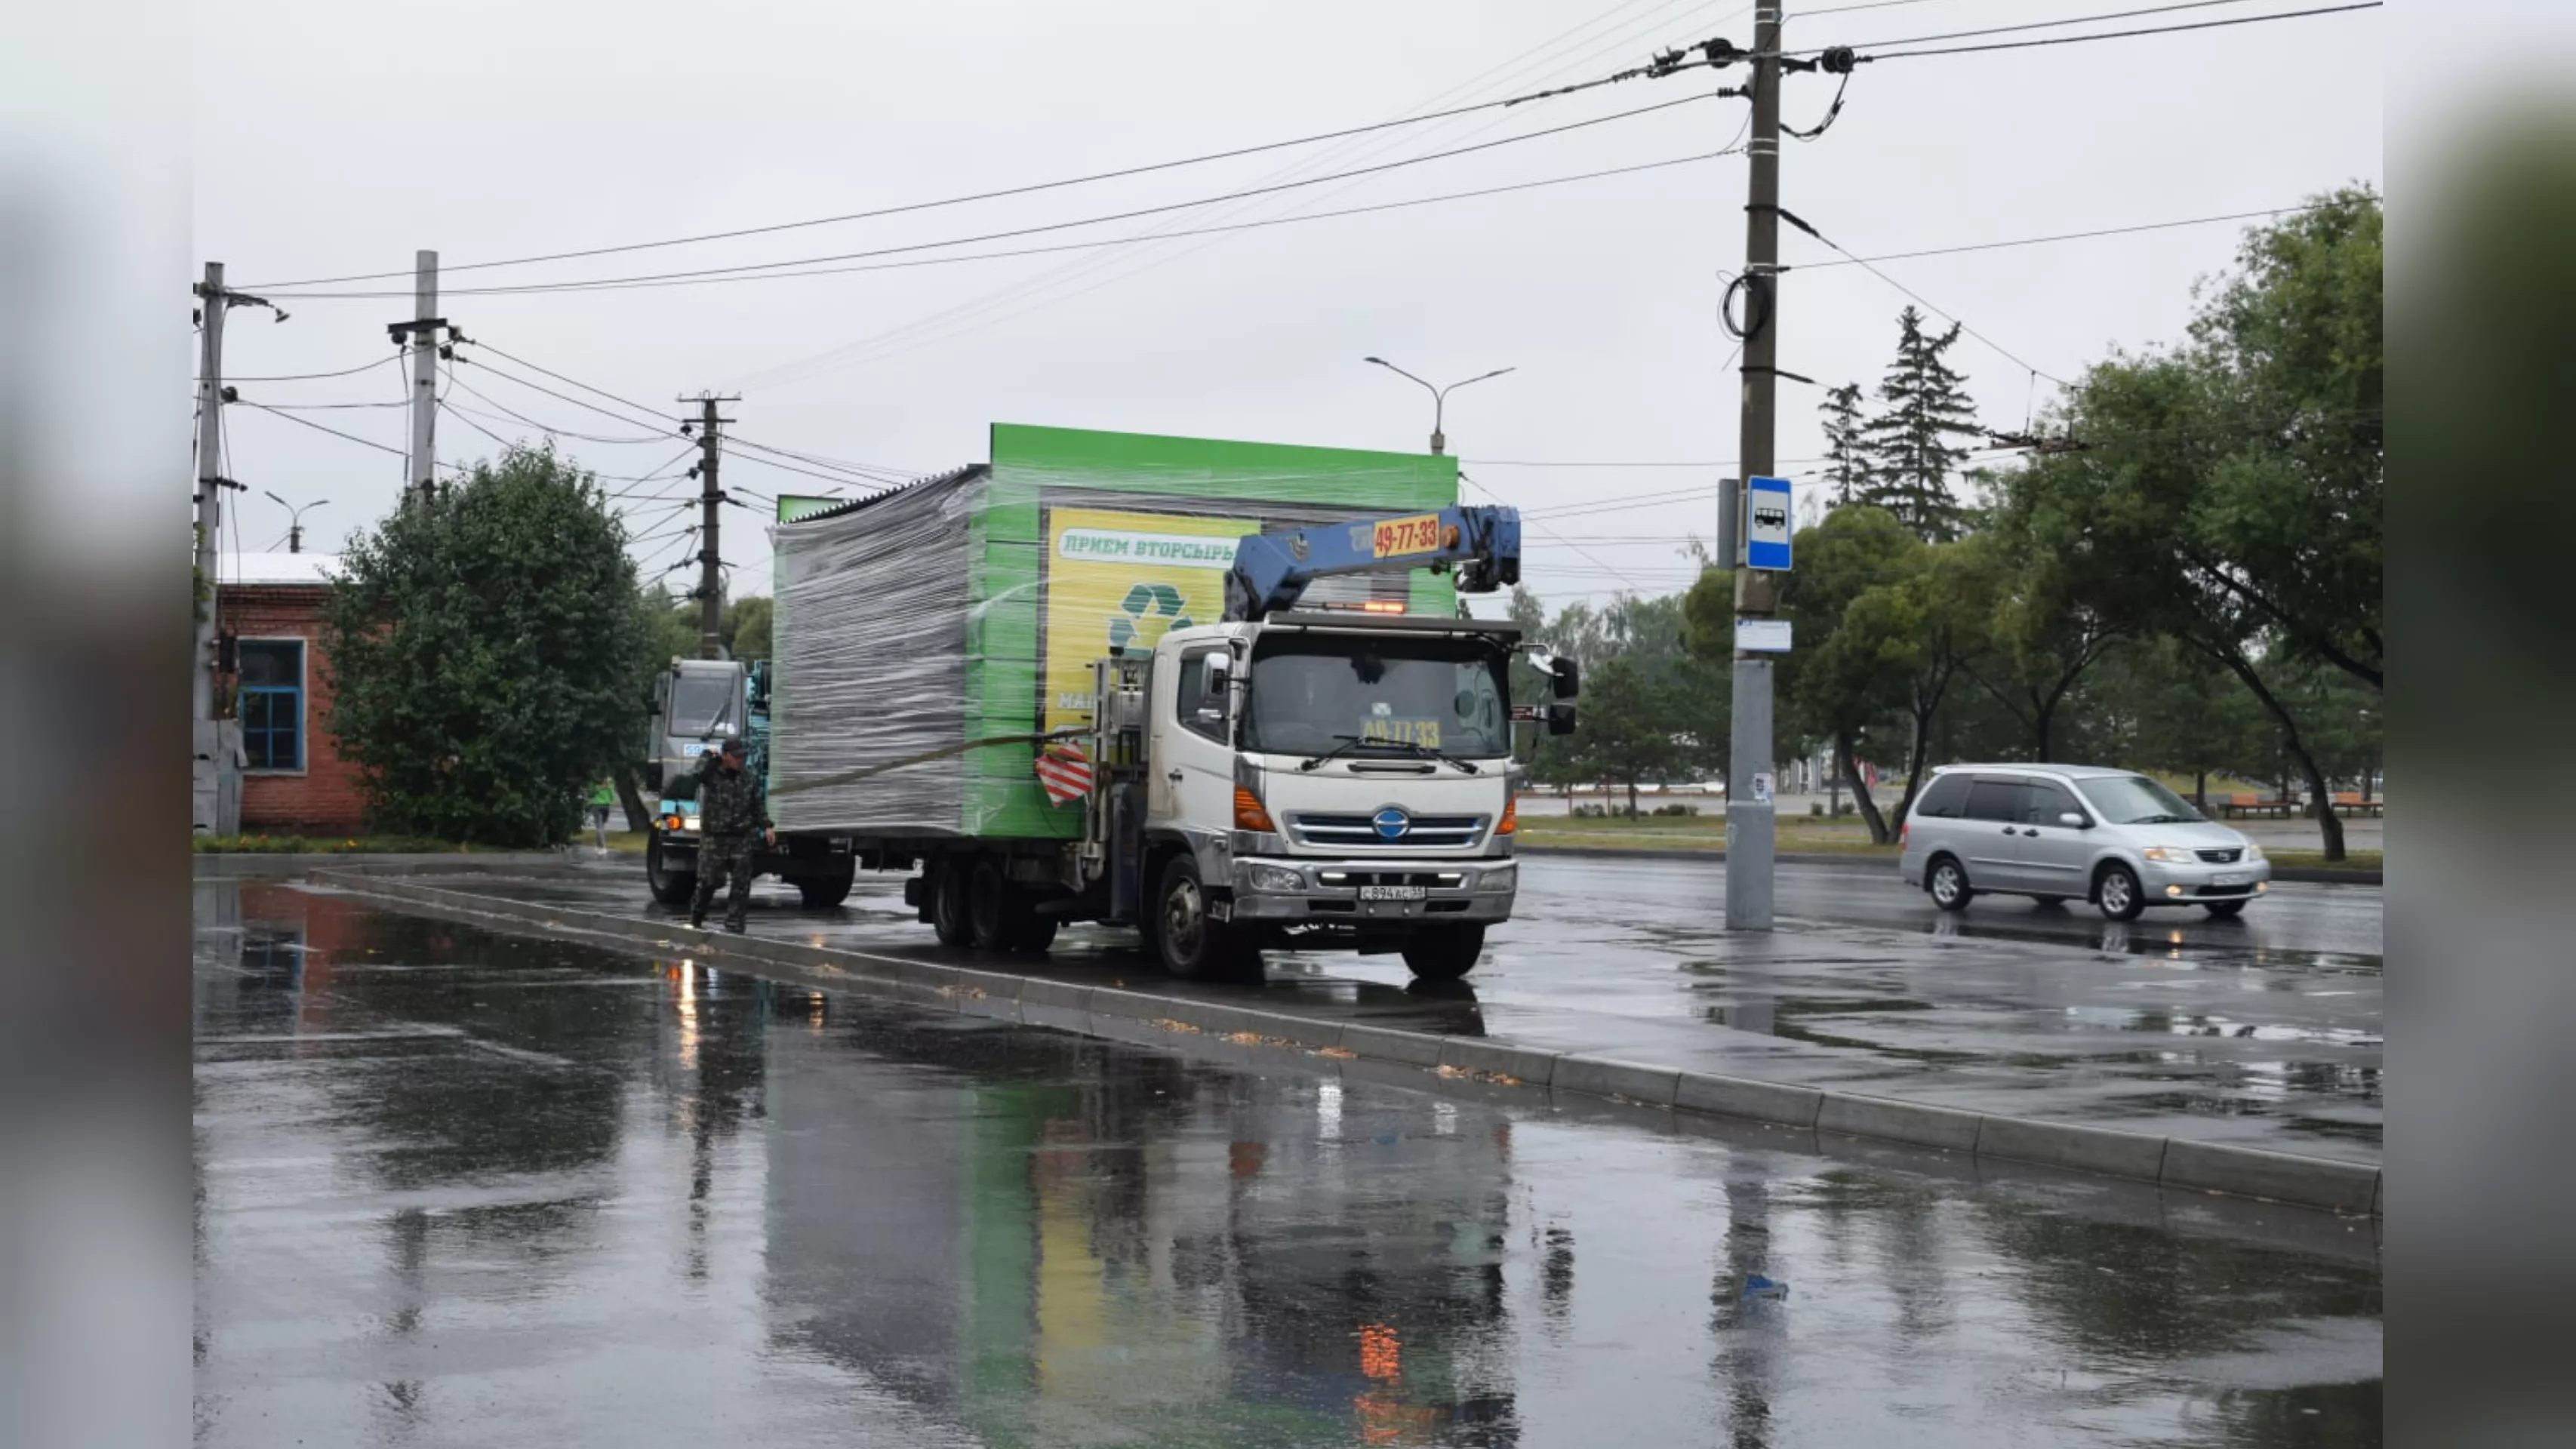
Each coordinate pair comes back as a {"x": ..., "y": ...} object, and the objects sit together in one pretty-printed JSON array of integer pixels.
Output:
[{"x": 274, "y": 569}]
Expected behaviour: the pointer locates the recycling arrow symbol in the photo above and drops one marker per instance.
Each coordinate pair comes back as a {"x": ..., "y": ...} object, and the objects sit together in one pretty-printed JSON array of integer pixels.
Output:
[{"x": 1157, "y": 604}]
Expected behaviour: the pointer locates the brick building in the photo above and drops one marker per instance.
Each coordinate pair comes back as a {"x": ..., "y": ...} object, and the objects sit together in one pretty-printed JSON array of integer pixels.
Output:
[{"x": 293, "y": 780}]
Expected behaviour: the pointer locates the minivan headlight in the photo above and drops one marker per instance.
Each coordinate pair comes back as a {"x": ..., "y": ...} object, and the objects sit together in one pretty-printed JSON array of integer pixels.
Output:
[
  {"x": 2253, "y": 851},
  {"x": 2169, "y": 854}
]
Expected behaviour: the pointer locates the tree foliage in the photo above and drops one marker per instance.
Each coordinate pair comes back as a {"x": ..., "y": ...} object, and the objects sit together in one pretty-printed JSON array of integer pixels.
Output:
[
  {"x": 743, "y": 624},
  {"x": 487, "y": 648},
  {"x": 1911, "y": 441}
]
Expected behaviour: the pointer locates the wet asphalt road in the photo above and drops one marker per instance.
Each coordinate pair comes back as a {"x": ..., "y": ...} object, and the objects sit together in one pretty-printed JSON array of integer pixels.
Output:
[
  {"x": 2264, "y": 1031},
  {"x": 458, "y": 1188}
]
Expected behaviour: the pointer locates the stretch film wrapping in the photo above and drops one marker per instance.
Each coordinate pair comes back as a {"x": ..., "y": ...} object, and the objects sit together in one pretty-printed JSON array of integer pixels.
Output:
[{"x": 969, "y": 607}]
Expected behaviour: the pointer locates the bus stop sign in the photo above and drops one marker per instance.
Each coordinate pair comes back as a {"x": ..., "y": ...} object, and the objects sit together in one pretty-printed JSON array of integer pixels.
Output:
[{"x": 1766, "y": 524}]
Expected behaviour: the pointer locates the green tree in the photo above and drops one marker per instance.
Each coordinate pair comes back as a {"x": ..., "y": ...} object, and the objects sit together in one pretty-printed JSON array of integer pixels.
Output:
[
  {"x": 2049, "y": 624},
  {"x": 487, "y": 648},
  {"x": 1848, "y": 685},
  {"x": 1846, "y": 473},
  {"x": 1909, "y": 441},
  {"x": 2169, "y": 707},
  {"x": 2228, "y": 492},
  {"x": 746, "y": 626},
  {"x": 743, "y": 625}
]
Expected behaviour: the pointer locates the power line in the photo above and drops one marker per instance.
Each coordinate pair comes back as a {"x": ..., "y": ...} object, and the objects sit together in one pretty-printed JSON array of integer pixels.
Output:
[
  {"x": 1801, "y": 224},
  {"x": 316, "y": 376},
  {"x": 546, "y": 428},
  {"x": 317, "y": 427},
  {"x": 2031, "y": 25},
  {"x": 2061, "y": 237},
  {"x": 756, "y": 267},
  {"x": 1142, "y": 238},
  {"x": 1056, "y": 285},
  {"x": 905, "y": 208},
  {"x": 2122, "y": 34},
  {"x": 452, "y": 411}
]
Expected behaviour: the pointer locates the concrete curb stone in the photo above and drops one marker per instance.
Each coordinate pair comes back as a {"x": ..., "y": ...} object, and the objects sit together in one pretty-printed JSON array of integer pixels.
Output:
[
  {"x": 2252, "y": 1172},
  {"x": 1606, "y": 1077},
  {"x": 1745, "y": 1097},
  {"x": 1597, "y": 1086},
  {"x": 2306, "y": 874},
  {"x": 1946, "y": 1128},
  {"x": 2066, "y": 1144}
]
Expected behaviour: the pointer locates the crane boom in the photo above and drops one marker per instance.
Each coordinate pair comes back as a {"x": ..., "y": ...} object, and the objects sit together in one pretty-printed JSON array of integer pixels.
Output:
[{"x": 1271, "y": 570}]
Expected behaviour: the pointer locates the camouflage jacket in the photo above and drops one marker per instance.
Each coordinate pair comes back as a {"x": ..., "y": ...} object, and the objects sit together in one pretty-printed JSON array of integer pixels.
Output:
[{"x": 730, "y": 802}]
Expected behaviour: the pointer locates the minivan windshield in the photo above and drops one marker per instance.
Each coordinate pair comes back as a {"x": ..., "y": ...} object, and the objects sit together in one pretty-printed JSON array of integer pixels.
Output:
[
  {"x": 2137, "y": 800},
  {"x": 1311, "y": 693}
]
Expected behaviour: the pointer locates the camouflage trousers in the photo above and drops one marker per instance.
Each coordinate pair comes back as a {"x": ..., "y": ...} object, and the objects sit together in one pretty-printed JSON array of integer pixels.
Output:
[{"x": 719, "y": 857}]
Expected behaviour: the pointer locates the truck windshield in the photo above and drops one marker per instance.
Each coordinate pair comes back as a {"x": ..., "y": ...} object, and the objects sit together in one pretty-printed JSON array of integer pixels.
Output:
[
  {"x": 1312, "y": 692},
  {"x": 699, "y": 700}
]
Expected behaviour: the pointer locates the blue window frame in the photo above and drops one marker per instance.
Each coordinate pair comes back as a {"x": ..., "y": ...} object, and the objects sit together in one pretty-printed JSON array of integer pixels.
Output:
[{"x": 272, "y": 703}]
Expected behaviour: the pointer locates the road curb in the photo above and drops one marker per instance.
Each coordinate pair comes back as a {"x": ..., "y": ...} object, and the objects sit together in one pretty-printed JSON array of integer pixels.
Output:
[{"x": 2179, "y": 1164}]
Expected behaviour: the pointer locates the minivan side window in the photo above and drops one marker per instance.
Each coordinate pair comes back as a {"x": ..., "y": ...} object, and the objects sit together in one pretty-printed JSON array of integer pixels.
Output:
[
  {"x": 2047, "y": 802},
  {"x": 1943, "y": 798},
  {"x": 1996, "y": 800}
]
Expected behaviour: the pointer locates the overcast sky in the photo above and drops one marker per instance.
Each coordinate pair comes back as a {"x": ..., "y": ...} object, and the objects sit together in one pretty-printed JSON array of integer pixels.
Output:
[{"x": 334, "y": 139}]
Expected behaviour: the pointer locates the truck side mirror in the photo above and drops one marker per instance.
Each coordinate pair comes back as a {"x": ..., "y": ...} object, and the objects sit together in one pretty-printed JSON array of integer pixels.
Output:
[
  {"x": 1560, "y": 719},
  {"x": 1566, "y": 677},
  {"x": 1218, "y": 667}
]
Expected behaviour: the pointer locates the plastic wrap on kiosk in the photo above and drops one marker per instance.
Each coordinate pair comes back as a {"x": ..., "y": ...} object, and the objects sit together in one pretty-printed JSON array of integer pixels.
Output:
[{"x": 970, "y": 606}]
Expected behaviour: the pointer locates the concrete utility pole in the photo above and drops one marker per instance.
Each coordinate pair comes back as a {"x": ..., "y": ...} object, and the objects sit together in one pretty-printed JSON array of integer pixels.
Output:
[
  {"x": 424, "y": 330},
  {"x": 710, "y": 503},
  {"x": 210, "y": 481},
  {"x": 1749, "y": 821}
]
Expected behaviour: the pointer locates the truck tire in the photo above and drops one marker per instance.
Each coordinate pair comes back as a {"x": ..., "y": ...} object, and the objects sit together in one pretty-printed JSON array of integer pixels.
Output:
[
  {"x": 671, "y": 887},
  {"x": 1190, "y": 944},
  {"x": 948, "y": 903},
  {"x": 1445, "y": 953},
  {"x": 989, "y": 899},
  {"x": 829, "y": 889}
]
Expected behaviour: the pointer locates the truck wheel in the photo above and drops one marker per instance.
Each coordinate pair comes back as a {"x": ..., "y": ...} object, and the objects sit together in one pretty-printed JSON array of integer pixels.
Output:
[
  {"x": 831, "y": 888},
  {"x": 671, "y": 886},
  {"x": 1445, "y": 953},
  {"x": 948, "y": 903},
  {"x": 1193, "y": 946},
  {"x": 988, "y": 906}
]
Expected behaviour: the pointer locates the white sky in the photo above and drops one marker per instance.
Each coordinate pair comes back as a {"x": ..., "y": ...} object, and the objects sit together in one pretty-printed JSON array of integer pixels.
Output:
[{"x": 334, "y": 139}]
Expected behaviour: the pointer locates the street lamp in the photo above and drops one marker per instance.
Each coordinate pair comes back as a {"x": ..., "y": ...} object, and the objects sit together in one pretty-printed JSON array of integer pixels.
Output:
[
  {"x": 1439, "y": 397},
  {"x": 295, "y": 520}
]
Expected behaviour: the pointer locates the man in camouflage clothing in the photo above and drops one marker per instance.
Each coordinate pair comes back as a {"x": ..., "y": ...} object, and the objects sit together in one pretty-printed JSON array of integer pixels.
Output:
[{"x": 733, "y": 819}]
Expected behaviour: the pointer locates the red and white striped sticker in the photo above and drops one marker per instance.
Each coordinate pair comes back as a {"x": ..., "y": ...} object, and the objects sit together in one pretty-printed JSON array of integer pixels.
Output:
[{"x": 1065, "y": 771}]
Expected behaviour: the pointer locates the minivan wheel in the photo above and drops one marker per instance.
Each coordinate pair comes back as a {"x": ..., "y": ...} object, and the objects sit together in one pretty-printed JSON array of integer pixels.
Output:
[
  {"x": 2119, "y": 894},
  {"x": 1948, "y": 885}
]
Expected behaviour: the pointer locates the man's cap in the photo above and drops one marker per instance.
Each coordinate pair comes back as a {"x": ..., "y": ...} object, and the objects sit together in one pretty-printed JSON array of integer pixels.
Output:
[{"x": 733, "y": 744}]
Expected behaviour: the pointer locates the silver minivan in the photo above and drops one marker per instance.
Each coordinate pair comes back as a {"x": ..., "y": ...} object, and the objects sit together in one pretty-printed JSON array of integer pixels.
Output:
[{"x": 2075, "y": 832}]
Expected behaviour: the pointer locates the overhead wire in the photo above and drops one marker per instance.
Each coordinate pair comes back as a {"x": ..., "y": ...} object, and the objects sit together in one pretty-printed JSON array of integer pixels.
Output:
[
  {"x": 313, "y": 376},
  {"x": 2117, "y": 34},
  {"x": 1803, "y": 225},
  {"x": 2055, "y": 24},
  {"x": 1028, "y": 295},
  {"x": 755, "y": 267}
]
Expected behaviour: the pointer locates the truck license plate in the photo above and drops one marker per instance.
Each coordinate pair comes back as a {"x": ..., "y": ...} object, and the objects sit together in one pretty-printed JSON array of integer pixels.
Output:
[
  {"x": 2234, "y": 877},
  {"x": 1394, "y": 893}
]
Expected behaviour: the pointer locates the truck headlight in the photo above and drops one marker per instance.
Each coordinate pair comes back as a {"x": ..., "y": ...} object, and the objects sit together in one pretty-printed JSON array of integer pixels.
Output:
[
  {"x": 1499, "y": 880},
  {"x": 1273, "y": 878}
]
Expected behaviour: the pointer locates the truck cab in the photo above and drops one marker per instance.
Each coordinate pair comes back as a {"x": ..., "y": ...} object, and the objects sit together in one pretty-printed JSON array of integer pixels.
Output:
[{"x": 1326, "y": 778}]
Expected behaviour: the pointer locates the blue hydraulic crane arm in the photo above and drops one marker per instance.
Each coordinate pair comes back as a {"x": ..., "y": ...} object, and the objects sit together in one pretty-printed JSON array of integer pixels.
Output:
[{"x": 1271, "y": 570}]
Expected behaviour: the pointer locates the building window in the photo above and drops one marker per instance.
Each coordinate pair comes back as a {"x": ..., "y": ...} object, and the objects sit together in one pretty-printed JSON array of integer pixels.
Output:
[{"x": 272, "y": 703}]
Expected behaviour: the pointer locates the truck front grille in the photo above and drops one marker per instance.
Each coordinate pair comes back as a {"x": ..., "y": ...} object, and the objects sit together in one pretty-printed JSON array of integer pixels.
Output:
[{"x": 1359, "y": 832}]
